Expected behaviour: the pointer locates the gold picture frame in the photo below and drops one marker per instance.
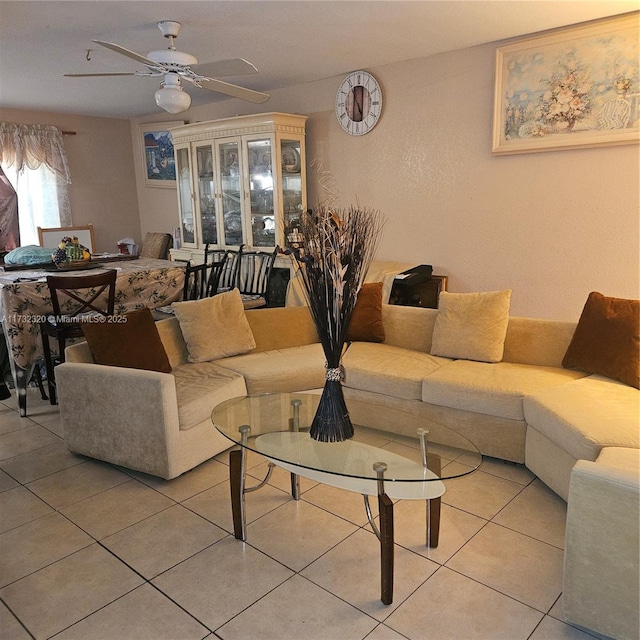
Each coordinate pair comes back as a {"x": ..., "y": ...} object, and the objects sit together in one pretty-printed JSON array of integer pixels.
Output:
[
  {"x": 157, "y": 154},
  {"x": 569, "y": 88}
]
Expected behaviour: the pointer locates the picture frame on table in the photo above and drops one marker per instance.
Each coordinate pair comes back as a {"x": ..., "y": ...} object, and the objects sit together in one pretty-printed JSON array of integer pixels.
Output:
[
  {"x": 570, "y": 88},
  {"x": 157, "y": 147}
]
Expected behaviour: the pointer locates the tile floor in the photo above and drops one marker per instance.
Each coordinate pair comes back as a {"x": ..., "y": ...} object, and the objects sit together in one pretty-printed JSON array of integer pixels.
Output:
[{"x": 89, "y": 551}]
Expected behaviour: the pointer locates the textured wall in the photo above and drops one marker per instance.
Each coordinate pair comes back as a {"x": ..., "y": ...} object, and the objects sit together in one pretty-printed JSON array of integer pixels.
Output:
[{"x": 551, "y": 226}]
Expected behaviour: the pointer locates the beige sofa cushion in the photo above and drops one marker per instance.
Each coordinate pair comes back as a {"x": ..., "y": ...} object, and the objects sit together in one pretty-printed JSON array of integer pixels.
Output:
[
  {"x": 200, "y": 387},
  {"x": 280, "y": 370},
  {"x": 586, "y": 415},
  {"x": 495, "y": 389},
  {"x": 389, "y": 370},
  {"x": 214, "y": 327},
  {"x": 471, "y": 326}
]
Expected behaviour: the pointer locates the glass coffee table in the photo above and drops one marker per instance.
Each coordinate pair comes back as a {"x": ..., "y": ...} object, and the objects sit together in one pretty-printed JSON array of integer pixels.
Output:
[{"x": 375, "y": 462}]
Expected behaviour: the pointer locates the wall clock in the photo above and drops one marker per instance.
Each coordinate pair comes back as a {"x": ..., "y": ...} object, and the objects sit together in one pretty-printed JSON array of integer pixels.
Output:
[{"x": 358, "y": 103}]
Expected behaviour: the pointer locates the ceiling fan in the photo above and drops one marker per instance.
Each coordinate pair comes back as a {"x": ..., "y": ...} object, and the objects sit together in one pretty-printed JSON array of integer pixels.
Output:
[{"x": 176, "y": 66}]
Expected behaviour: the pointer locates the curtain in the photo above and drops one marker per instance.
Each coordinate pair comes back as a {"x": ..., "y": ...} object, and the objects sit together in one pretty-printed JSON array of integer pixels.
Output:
[
  {"x": 30, "y": 145},
  {"x": 9, "y": 228},
  {"x": 34, "y": 160}
]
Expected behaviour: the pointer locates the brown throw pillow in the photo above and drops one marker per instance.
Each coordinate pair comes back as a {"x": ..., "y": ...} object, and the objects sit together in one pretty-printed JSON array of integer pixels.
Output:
[
  {"x": 366, "y": 321},
  {"x": 133, "y": 341},
  {"x": 607, "y": 339}
]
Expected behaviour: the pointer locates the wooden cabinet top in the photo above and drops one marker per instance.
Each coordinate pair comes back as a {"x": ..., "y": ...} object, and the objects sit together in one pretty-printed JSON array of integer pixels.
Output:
[{"x": 240, "y": 125}]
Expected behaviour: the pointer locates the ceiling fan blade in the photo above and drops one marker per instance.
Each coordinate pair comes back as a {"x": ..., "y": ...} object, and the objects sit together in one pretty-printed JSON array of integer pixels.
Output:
[
  {"x": 232, "y": 90},
  {"x": 130, "y": 54},
  {"x": 94, "y": 75},
  {"x": 222, "y": 68}
]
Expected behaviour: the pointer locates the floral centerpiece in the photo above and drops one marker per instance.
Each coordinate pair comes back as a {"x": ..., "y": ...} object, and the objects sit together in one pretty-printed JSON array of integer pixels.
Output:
[
  {"x": 333, "y": 257},
  {"x": 70, "y": 250}
]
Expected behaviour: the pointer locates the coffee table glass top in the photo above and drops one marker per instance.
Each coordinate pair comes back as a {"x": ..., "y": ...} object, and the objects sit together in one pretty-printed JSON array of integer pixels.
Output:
[{"x": 276, "y": 432}]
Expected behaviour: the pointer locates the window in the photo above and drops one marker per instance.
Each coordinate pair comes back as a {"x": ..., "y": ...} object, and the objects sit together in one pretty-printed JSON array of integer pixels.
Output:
[{"x": 33, "y": 159}]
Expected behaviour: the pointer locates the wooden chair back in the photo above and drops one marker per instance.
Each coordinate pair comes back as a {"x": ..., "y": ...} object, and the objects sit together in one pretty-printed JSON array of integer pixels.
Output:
[{"x": 76, "y": 295}]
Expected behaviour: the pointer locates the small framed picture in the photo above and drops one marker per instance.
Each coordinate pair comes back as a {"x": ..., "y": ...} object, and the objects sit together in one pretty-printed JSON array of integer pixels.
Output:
[
  {"x": 159, "y": 161},
  {"x": 569, "y": 88}
]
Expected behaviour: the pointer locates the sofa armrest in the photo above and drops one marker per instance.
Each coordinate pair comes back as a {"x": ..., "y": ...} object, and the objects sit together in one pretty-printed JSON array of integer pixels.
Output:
[
  {"x": 126, "y": 416},
  {"x": 601, "y": 567}
]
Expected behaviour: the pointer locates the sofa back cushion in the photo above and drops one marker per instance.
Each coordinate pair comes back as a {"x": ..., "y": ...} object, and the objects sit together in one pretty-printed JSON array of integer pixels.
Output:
[
  {"x": 281, "y": 327},
  {"x": 214, "y": 327},
  {"x": 471, "y": 326}
]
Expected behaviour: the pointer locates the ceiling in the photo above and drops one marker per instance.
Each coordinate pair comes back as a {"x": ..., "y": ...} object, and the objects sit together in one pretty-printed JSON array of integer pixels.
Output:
[{"x": 291, "y": 42}]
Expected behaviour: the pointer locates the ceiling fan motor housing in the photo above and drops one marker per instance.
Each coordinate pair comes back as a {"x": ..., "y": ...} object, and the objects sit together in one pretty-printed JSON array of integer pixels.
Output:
[{"x": 169, "y": 28}]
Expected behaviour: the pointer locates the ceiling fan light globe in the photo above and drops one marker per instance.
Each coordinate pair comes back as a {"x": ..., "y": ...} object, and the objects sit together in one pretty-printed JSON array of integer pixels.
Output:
[{"x": 173, "y": 100}]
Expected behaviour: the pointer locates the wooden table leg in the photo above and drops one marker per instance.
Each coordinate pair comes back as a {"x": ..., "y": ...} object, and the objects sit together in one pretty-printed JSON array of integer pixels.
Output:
[
  {"x": 433, "y": 522},
  {"x": 385, "y": 507},
  {"x": 236, "y": 479}
]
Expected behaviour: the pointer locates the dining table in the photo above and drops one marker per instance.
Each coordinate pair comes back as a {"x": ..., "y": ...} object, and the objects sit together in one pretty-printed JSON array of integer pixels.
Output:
[{"x": 25, "y": 302}]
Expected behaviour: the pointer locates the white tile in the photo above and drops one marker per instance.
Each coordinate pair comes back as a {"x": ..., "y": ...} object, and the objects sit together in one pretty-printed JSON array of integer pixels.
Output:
[
  {"x": 76, "y": 483},
  {"x": 552, "y": 629},
  {"x": 42, "y": 462},
  {"x": 29, "y": 438},
  {"x": 514, "y": 564},
  {"x": 163, "y": 540},
  {"x": 203, "y": 477},
  {"x": 537, "y": 512},
  {"x": 142, "y": 613},
  {"x": 450, "y": 606},
  {"x": 298, "y": 609},
  {"x": 215, "y": 504},
  {"x": 10, "y": 626},
  {"x": 456, "y": 529},
  {"x": 351, "y": 571},
  {"x": 63, "y": 593},
  {"x": 37, "y": 544},
  {"x": 221, "y": 581},
  {"x": 112, "y": 510},
  {"x": 19, "y": 506},
  {"x": 297, "y": 533},
  {"x": 480, "y": 493}
]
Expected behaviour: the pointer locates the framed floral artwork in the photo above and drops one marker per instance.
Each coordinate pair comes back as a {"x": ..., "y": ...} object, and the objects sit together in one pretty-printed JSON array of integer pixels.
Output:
[
  {"x": 569, "y": 88},
  {"x": 159, "y": 161}
]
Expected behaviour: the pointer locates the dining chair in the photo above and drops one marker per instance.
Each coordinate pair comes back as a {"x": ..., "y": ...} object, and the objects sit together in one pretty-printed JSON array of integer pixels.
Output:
[
  {"x": 75, "y": 299},
  {"x": 253, "y": 277},
  {"x": 156, "y": 245},
  {"x": 229, "y": 275},
  {"x": 202, "y": 280}
]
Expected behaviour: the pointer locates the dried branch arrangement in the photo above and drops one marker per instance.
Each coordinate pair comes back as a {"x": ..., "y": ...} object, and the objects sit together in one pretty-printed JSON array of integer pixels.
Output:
[{"x": 333, "y": 260}]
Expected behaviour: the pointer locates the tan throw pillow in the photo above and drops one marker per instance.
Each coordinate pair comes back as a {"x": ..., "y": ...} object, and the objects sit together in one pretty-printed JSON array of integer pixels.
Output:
[
  {"x": 471, "y": 326},
  {"x": 366, "y": 321},
  {"x": 130, "y": 340},
  {"x": 607, "y": 339},
  {"x": 214, "y": 327}
]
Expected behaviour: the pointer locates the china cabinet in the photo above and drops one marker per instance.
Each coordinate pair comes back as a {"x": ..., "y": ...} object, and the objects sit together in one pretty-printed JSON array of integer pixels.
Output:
[{"x": 240, "y": 181}]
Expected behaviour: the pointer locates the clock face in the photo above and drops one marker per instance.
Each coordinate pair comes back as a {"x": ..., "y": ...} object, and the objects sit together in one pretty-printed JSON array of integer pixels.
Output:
[{"x": 358, "y": 103}]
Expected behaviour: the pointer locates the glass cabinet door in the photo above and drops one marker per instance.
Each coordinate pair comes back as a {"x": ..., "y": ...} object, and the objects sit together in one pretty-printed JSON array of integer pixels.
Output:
[
  {"x": 263, "y": 223},
  {"x": 206, "y": 195},
  {"x": 231, "y": 191},
  {"x": 184, "y": 196},
  {"x": 291, "y": 176}
]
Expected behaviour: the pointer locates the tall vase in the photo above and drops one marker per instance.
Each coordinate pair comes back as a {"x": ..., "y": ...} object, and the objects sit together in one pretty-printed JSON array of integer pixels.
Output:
[{"x": 332, "y": 422}]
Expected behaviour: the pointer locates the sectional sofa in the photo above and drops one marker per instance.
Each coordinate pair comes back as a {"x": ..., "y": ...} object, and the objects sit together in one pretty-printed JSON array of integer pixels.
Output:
[{"x": 578, "y": 433}]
